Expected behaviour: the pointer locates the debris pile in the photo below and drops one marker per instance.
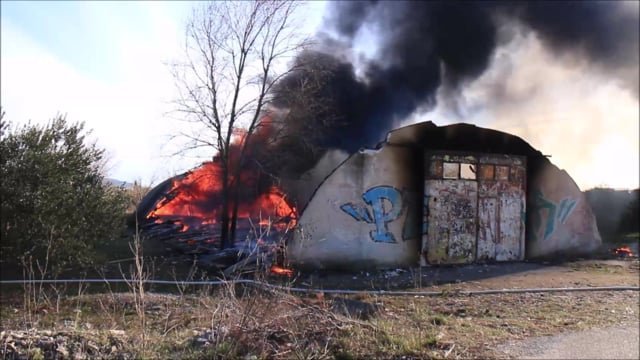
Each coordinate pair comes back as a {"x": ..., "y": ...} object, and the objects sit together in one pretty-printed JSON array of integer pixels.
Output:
[{"x": 45, "y": 344}]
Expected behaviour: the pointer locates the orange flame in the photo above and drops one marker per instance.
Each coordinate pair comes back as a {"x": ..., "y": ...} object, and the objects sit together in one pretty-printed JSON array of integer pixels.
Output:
[
  {"x": 196, "y": 199},
  {"x": 623, "y": 251},
  {"x": 275, "y": 269}
]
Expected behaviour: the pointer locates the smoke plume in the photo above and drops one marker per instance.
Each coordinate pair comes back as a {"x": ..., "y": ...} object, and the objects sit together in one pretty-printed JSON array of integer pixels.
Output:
[{"x": 377, "y": 62}]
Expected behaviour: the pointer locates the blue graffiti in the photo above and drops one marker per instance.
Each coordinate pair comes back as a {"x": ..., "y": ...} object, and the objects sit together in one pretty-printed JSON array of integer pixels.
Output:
[
  {"x": 556, "y": 213},
  {"x": 566, "y": 207},
  {"x": 358, "y": 212},
  {"x": 375, "y": 198},
  {"x": 382, "y": 215}
]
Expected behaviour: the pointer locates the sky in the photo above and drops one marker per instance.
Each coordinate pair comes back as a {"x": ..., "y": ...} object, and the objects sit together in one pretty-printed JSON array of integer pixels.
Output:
[
  {"x": 106, "y": 63},
  {"x": 586, "y": 120}
]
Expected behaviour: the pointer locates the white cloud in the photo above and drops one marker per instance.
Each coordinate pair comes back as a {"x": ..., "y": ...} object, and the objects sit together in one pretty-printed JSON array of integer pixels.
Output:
[
  {"x": 126, "y": 112},
  {"x": 126, "y": 97}
]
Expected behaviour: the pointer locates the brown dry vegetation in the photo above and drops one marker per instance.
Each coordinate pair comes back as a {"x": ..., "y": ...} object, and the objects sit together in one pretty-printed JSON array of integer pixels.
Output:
[{"x": 234, "y": 322}]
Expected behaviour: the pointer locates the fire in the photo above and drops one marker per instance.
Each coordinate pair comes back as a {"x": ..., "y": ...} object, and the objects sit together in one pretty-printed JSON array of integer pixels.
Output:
[
  {"x": 275, "y": 269},
  {"x": 623, "y": 251},
  {"x": 195, "y": 200}
]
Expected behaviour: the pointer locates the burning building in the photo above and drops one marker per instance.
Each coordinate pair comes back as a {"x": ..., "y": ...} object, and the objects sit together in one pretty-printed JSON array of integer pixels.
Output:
[
  {"x": 426, "y": 195},
  {"x": 443, "y": 195}
]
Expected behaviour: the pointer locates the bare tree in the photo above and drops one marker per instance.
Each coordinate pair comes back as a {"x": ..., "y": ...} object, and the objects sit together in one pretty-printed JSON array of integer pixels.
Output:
[{"x": 234, "y": 50}]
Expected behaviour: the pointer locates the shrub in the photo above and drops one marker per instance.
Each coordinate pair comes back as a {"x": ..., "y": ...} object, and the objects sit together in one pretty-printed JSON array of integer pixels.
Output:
[{"x": 56, "y": 206}]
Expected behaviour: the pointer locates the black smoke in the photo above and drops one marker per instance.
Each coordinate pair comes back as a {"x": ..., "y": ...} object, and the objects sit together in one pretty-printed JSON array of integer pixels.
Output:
[{"x": 423, "y": 45}]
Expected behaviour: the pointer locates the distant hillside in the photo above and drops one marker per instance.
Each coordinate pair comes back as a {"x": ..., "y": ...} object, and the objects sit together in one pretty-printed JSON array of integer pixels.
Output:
[{"x": 119, "y": 183}]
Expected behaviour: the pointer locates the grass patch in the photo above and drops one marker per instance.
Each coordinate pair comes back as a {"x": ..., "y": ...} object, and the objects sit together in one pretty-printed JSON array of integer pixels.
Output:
[
  {"x": 438, "y": 320},
  {"x": 227, "y": 323}
]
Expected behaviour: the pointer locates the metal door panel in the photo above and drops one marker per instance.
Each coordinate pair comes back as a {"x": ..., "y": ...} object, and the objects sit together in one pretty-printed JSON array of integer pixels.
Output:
[
  {"x": 487, "y": 228},
  {"x": 451, "y": 234},
  {"x": 508, "y": 248}
]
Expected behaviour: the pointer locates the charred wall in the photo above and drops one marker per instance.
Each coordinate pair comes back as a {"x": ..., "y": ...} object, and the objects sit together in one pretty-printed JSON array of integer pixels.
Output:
[
  {"x": 363, "y": 215},
  {"x": 369, "y": 211}
]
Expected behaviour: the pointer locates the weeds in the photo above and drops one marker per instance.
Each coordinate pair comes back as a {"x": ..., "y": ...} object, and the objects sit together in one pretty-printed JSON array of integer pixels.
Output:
[
  {"x": 233, "y": 322},
  {"x": 136, "y": 283},
  {"x": 35, "y": 296}
]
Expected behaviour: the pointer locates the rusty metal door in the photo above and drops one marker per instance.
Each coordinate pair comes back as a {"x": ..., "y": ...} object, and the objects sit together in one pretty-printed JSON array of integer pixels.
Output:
[
  {"x": 474, "y": 208},
  {"x": 451, "y": 212},
  {"x": 487, "y": 228},
  {"x": 501, "y": 208}
]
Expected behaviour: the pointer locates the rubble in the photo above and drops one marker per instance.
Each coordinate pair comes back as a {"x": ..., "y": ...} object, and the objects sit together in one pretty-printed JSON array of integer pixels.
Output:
[{"x": 44, "y": 344}]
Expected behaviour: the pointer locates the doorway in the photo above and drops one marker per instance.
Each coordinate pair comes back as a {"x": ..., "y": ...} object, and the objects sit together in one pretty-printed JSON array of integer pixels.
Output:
[{"x": 474, "y": 208}]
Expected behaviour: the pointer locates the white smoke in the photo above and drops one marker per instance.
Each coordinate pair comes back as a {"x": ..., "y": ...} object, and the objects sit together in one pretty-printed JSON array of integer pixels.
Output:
[{"x": 584, "y": 117}]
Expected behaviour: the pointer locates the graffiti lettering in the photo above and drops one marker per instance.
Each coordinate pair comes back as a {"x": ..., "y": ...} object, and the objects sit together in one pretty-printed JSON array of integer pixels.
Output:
[
  {"x": 375, "y": 198},
  {"x": 556, "y": 213},
  {"x": 358, "y": 212},
  {"x": 386, "y": 206}
]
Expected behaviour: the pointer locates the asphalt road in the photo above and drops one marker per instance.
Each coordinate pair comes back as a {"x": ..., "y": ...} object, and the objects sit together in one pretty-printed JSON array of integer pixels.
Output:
[{"x": 618, "y": 342}]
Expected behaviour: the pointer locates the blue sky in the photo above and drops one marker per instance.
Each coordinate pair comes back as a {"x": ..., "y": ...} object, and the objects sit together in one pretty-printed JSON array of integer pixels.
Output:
[
  {"x": 85, "y": 35},
  {"x": 104, "y": 63}
]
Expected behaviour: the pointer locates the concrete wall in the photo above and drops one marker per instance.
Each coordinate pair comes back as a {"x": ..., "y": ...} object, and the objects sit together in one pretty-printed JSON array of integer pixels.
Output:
[
  {"x": 359, "y": 216},
  {"x": 560, "y": 220},
  {"x": 301, "y": 189},
  {"x": 367, "y": 212}
]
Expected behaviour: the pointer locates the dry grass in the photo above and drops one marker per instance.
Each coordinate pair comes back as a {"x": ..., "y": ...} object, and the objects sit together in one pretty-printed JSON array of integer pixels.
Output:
[
  {"x": 218, "y": 324},
  {"x": 234, "y": 322},
  {"x": 463, "y": 327},
  {"x": 239, "y": 322}
]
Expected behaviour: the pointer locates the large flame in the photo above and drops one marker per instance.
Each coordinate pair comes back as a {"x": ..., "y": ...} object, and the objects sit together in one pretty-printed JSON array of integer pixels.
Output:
[{"x": 196, "y": 199}]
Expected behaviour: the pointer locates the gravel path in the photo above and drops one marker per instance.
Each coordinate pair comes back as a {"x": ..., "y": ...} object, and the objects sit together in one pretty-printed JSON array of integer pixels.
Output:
[{"x": 619, "y": 342}]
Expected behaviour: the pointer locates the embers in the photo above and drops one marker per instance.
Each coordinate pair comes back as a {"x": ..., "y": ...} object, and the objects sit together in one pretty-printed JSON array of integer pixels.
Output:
[{"x": 623, "y": 252}]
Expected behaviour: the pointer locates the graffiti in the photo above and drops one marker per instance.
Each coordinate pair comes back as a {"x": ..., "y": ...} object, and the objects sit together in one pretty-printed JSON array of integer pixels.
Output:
[
  {"x": 358, "y": 212},
  {"x": 556, "y": 213},
  {"x": 374, "y": 211},
  {"x": 386, "y": 206},
  {"x": 565, "y": 209}
]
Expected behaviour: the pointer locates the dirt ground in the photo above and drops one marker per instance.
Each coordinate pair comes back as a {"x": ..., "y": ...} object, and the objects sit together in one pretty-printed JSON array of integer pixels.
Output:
[
  {"x": 613, "y": 342},
  {"x": 229, "y": 322},
  {"x": 578, "y": 273}
]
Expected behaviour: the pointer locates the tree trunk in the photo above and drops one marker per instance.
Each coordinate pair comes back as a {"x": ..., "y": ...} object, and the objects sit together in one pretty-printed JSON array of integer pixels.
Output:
[
  {"x": 234, "y": 214},
  {"x": 224, "y": 232}
]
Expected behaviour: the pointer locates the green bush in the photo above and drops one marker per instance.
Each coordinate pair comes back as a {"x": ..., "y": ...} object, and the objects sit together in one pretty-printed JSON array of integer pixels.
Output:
[{"x": 56, "y": 208}]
